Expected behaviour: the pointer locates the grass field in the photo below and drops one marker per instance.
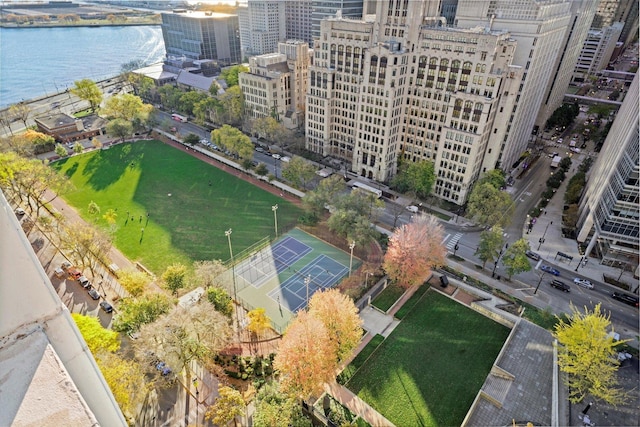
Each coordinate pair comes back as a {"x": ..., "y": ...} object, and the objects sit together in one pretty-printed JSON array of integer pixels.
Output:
[
  {"x": 429, "y": 370},
  {"x": 190, "y": 203},
  {"x": 388, "y": 297}
]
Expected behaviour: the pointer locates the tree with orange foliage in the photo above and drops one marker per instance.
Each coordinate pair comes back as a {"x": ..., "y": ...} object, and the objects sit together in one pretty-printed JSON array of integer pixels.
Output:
[
  {"x": 339, "y": 315},
  {"x": 414, "y": 249},
  {"x": 306, "y": 357}
]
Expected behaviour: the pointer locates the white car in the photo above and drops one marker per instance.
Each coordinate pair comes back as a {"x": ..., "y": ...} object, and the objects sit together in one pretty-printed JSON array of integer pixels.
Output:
[
  {"x": 276, "y": 156},
  {"x": 583, "y": 282},
  {"x": 412, "y": 209}
]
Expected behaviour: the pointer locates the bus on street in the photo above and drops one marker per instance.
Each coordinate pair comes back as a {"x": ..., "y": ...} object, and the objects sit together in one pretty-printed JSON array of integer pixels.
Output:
[{"x": 179, "y": 118}]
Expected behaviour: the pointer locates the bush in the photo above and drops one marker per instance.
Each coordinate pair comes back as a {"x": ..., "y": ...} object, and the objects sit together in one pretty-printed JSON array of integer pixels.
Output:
[{"x": 309, "y": 219}]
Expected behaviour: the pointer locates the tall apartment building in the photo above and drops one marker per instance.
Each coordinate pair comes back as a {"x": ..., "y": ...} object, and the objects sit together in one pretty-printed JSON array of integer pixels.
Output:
[
  {"x": 202, "y": 35},
  {"x": 609, "y": 209},
  {"x": 582, "y": 13},
  {"x": 298, "y": 20},
  {"x": 262, "y": 26},
  {"x": 596, "y": 51},
  {"x": 539, "y": 27},
  {"x": 321, "y": 9},
  {"x": 610, "y": 11},
  {"x": 400, "y": 86},
  {"x": 276, "y": 84}
]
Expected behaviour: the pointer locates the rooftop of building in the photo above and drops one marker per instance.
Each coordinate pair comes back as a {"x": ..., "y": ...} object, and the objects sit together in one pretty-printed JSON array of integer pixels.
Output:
[
  {"x": 198, "y": 14},
  {"x": 54, "y": 121},
  {"x": 49, "y": 376}
]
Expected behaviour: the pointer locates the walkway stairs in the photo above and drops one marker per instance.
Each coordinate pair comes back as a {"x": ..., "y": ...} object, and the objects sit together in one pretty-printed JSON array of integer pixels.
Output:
[{"x": 497, "y": 385}]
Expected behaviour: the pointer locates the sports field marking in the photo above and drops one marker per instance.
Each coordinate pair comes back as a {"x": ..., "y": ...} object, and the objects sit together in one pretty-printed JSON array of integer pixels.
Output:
[
  {"x": 322, "y": 273},
  {"x": 268, "y": 262}
]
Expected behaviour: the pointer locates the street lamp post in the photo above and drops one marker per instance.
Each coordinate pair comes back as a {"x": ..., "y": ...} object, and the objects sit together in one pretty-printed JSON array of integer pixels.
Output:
[
  {"x": 351, "y": 246},
  {"x": 539, "y": 281},
  {"x": 307, "y": 281},
  {"x": 233, "y": 274},
  {"x": 495, "y": 265},
  {"x": 195, "y": 384},
  {"x": 541, "y": 240},
  {"x": 579, "y": 264},
  {"x": 274, "y": 208}
]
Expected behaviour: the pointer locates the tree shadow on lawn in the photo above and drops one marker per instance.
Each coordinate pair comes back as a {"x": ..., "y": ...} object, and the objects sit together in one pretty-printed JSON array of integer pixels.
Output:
[
  {"x": 429, "y": 370},
  {"x": 192, "y": 203},
  {"x": 106, "y": 167}
]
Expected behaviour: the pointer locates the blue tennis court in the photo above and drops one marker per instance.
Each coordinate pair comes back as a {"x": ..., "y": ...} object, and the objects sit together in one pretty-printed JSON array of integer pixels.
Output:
[
  {"x": 321, "y": 273},
  {"x": 272, "y": 260}
]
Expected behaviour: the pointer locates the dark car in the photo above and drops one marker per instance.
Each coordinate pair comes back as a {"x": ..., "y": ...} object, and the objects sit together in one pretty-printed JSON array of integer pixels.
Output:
[
  {"x": 106, "y": 307},
  {"x": 626, "y": 298},
  {"x": 560, "y": 285},
  {"x": 532, "y": 255},
  {"x": 549, "y": 270},
  {"x": 95, "y": 295}
]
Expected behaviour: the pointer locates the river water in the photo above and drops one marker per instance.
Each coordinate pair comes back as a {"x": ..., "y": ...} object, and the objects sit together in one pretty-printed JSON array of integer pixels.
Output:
[{"x": 41, "y": 61}]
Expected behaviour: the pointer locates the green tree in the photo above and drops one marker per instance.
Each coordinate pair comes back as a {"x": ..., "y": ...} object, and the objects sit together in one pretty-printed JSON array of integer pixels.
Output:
[
  {"x": 135, "y": 282},
  {"x": 135, "y": 312},
  {"x": 299, "y": 172},
  {"x": 170, "y": 96},
  {"x": 417, "y": 178},
  {"x": 127, "y": 107},
  {"x": 61, "y": 151},
  {"x": 206, "y": 110},
  {"x": 78, "y": 148},
  {"x": 230, "y": 74},
  {"x": 275, "y": 408},
  {"x": 191, "y": 139},
  {"x": 495, "y": 177},
  {"x": 232, "y": 139},
  {"x": 98, "y": 339},
  {"x": 491, "y": 242},
  {"x": 231, "y": 106},
  {"x": 515, "y": 259},
  {"x": 261, "y": 169},
  {"x": 89, "y": 91},
  {"x": 228, "y": 405},
  {"x": 269, "y": 128},
  {"x": 325, "y": 194},
  {"x": 220, "y": 299},
  {"x": 93, "y": 208},
  {"x": 489, "y": 206},
  {"x": 587, "y": 354},
  {"x": 119, "y": 128},
  {"x": 174, "y": 277},
  {"x": 189, "y": 99}
]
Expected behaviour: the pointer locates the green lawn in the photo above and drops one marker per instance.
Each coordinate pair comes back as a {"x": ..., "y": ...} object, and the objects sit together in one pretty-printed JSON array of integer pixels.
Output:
[
  {"x": 388, "y": 297},
  {"x": 190, "y": 203},
  {"x": 429, "y": 370}
]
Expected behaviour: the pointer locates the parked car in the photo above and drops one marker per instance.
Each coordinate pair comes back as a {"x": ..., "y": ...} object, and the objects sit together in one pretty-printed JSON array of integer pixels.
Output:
[
  {"x": 84, "y": 282},
  {"x": 66, "y": 265},
  {"x": 549, "y": 270},
  {"x": 286, "y": 159},
  {"x": 74, "y": 273},
  {"x": 583, "y": 282},
  {"x": 532, "y": 255},
  {"x": 560, "y": 285},
  {"x": 19, "y": 211},
  {"x": 412, "y": 208},
  {"x": 260, "y": 149},
  {"x": 626, "y": 298},
  {"x": 59, "y": 273},
  {"x": 106, "y": 307},
  {"x": 95, "y": 295},
  {"x": 276, "y": 156}
]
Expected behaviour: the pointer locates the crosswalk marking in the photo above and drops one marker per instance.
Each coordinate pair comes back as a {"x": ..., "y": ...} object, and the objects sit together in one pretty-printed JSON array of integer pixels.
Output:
[
  {"x": 452, "y": 243},
  {"x": 445, "y": 238}
]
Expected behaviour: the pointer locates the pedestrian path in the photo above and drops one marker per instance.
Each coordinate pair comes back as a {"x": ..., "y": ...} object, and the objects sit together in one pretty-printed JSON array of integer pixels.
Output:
[{"x": 451, "y": 244}]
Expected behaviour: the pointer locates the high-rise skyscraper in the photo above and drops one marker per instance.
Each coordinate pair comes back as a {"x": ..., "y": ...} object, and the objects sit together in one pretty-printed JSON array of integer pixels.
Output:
[
  {"x": 202, "y": 35},
  {"x": 321, "y": 9},
  {"x": 539, "y": 27},
  {"x": 401, "y": 86},
  {"x": 609, "y": 209},
  {"x": 596, "y": 51},
  {"x": 262, "y": 26}
]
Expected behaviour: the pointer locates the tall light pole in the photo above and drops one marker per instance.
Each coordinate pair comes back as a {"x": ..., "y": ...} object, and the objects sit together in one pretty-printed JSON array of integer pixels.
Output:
[
  {"x": 233, "y": 274},
  {"x": 307, "y": 281},
  {"x": 493, "y": 273},
  {"x": 274, "y": 208},
  {"x": 351, "y": 246},
  {"x": 541, "y": 240}
]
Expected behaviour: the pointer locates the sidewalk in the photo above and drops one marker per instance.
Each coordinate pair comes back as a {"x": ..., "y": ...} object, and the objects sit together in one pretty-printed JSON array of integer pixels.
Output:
[{"x": 549, "y": 226}]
